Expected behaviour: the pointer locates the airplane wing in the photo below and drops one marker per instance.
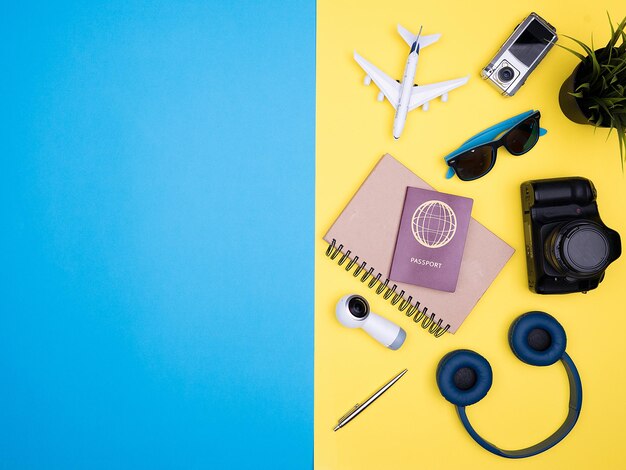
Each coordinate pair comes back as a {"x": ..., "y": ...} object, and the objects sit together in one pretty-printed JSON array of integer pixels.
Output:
[
  {"x": 422, "y": 94},
  {"x": 409, "y": 37},
  {"x": 386, "y": 84}
]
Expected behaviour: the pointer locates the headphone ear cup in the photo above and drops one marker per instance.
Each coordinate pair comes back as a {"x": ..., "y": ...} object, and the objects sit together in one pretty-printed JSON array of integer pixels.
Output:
[
  {"x": 464, "y": 377},
  {"x": 536, "y": 338}
]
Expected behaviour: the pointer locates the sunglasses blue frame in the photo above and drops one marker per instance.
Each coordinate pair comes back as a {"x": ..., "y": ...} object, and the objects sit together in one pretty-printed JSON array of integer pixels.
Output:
[{"x": 489, "y": 136}]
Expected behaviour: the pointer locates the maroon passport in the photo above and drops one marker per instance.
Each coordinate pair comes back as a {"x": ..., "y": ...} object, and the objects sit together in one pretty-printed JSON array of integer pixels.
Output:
[{"x": 431, "y": 239}]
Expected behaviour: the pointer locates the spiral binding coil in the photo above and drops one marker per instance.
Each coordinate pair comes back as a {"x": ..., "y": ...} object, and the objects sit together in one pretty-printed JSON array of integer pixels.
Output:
[{"x": 428, "y": 321}]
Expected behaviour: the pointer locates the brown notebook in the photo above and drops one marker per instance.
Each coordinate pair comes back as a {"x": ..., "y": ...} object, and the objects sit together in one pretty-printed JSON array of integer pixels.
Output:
[{"x": 368, "y": 227}]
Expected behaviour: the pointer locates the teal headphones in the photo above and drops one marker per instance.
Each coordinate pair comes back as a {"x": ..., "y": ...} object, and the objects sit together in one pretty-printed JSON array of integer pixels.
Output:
[{"x": 536, "y": 338}]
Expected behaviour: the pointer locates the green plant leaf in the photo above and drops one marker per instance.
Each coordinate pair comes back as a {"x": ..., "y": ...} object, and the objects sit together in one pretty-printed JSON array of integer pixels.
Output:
[
  {"x": 620, "y": 67},
  {"x": 584, "y": 86},
  {"x": 598, "y": 123},
  {"x": 585, "y": 47},
  {"x": 577, "y": 54},
  {"x": 621, "y": 141},
  {"x": 620, "y": 32},
  {"x": 614, "y": 36},
  {"x": 612, "y": 101},
  {"x": 612, "y": 39}
]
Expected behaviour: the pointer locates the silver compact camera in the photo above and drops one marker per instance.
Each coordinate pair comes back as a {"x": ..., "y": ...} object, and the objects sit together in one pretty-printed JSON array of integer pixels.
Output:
[{"x": 521, "y": 53}]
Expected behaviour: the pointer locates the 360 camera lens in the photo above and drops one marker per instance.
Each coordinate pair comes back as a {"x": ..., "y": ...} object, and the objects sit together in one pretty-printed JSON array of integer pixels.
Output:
[{"x": 358, "y": 307}]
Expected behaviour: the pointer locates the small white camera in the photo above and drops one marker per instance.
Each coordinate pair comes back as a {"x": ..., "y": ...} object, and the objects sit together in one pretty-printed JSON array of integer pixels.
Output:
[{"x": 353, "y": 311}]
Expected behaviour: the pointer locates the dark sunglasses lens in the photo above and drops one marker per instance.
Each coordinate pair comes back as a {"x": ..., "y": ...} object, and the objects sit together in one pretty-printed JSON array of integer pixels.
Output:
[
  {"x": 474, "y": 163},
  {"x": 522, "y": 137}
]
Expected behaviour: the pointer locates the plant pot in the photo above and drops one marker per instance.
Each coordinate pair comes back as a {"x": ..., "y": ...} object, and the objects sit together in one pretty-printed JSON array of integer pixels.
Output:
[{"x": 569, "y": 104}]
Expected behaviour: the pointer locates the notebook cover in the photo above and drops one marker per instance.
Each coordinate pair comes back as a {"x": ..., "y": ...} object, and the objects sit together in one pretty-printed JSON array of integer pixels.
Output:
[
  {"x": 431, "y": 238},
  {"x": 368, "y": 227}
]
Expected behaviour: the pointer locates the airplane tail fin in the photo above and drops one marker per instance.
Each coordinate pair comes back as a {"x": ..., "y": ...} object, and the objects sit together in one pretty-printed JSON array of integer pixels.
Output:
[{"x": 424, "y": 41}]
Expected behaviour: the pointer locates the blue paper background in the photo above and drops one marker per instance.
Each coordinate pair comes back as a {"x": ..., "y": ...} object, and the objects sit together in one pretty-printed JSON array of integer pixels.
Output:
[{"x": 157, "y": 193}]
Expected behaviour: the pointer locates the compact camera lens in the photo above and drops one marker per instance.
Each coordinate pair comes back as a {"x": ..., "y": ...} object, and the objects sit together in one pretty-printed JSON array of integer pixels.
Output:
[
  {"x": 358, "y": 307},
  {"x": 506, "y": 74}
]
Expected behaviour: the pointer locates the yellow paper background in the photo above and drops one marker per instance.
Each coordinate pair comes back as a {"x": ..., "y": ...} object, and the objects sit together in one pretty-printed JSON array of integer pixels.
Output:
[{"x": 412, "y": 426}]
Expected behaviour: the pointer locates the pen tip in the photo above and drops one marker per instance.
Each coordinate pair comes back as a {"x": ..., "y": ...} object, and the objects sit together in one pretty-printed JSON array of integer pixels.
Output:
[{"x": 337, "y": 427}]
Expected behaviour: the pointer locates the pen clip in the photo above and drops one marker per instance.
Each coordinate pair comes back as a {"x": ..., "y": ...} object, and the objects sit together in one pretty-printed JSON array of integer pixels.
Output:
[{"x": 352, "y": 410}]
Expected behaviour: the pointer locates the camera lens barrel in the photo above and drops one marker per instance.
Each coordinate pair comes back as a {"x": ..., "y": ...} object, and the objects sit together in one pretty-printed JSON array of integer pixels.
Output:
[{"x": 578, "y": 249}]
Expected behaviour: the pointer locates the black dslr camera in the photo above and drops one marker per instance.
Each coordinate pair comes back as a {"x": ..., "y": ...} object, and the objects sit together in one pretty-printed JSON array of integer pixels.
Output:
[{"x": 568, "y": 247}]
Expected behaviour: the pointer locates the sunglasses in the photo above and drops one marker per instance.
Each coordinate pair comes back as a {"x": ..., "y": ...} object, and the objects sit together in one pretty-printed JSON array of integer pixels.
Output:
[{"x": 477, "y": 156}]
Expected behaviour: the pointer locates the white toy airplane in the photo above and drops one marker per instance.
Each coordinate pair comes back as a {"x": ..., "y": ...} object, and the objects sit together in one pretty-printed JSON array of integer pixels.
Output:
[{"x": 405, "y": 96}]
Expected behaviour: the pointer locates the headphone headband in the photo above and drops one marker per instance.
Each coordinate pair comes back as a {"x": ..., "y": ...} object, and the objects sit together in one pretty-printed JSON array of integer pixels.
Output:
[
  {"x": 464, "y": 377},
  {"x": 575, "y": 405}
]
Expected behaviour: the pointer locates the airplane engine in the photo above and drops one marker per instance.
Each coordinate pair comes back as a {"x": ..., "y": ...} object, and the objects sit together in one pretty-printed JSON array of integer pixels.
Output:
[
  {"x": 381, "y": 96},
  {"x": 425, "y": 106},
  {"x": 367, "y": 80},
  {"x": 444, "y": 97}
]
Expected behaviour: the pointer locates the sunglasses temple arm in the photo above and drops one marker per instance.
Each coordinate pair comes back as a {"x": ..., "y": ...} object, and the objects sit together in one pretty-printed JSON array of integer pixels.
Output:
[
  {"x": 496, "y": 129},
  {"x": 491, "y": 133}
]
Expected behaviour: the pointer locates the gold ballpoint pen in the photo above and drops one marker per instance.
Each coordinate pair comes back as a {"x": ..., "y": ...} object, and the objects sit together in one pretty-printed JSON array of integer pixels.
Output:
[{"x": 354, "y": 411}]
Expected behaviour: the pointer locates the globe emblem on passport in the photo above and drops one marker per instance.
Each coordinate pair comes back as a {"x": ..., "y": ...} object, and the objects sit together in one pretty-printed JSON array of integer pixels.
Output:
[{"x": 434, "y": 224}]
